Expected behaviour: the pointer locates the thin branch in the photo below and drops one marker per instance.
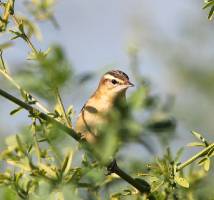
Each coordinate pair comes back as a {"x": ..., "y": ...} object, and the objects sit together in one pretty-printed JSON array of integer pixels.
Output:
[
  {"x": 6, "y": 15},
  {"x": 195, "y": 157},
  {"x": 112, "y": 168},
  {"x": 8, "y": 77},
  {"x": 39, "y": 114},
  {"x": 27, "y": 39},
  {"x": 62, "y": 108},
  {"x": 2, "y": 60}
]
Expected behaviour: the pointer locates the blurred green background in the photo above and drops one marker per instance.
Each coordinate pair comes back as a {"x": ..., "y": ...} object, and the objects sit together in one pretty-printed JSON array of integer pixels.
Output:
[
  {"x": 173, "y": 41},
  {"x": 173, "y": 44}
]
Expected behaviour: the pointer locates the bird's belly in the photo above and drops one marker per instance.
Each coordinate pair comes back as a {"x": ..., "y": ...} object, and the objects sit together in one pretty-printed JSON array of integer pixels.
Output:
[{"x": 89, "y": 122}]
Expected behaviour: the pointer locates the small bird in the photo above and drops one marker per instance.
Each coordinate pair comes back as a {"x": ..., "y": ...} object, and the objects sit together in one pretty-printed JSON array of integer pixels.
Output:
[{"x": 113, "y": 85}]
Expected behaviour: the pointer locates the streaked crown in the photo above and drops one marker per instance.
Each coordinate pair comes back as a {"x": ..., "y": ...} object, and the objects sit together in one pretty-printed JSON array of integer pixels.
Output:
[
  {"x": 118, "y": 74},
  {"x": 117, "y": 77}
]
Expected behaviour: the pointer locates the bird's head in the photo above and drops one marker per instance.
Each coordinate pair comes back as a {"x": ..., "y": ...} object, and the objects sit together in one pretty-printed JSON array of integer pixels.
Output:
[{"x": 114, "y": 83}]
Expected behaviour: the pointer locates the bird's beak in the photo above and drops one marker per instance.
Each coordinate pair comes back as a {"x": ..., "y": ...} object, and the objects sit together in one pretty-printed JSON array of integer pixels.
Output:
[{"x": 129, "y": 84}]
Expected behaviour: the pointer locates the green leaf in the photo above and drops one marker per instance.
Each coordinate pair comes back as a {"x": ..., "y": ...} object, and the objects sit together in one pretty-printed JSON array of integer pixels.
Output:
[
  {"x": 137, "y": 98},
  {"x": 15, "y": 110},
  {"x": 67, "y": 163},
  {"x": 17, "y": 35},
  {"x": 208, "y": 4},
  {"x": 182, "y": 181},
  {"x": 59, "y": 195},
  {"x": 207, "y": 164},
  {"x": 20, "y": 144},
  {"x": 211, "y": 152},
  {"x": 178, "y": 154},
  {"x": 21, "y": 27},
  {"x": 200, "y": 137},
  {"x": 116, "y": 196},
  {"x": 39, "y": 55},
  {"x": 70, "y": 111},
  {"x": 49, "y": 170},
  {"x": 196, "y": 144},
  {"x": 202, "y": 161},
  {"x": 11, "y": 142},
  {"x": 211, "y": 13},
  {"x": 5, "y": 178},
  {"x": 127, "y": 192},
  {"x": 23, "y": 94},
  {"x": 6, "y": 45},
  {"x": 18, "y": 176},
  {"x": 197, "y": 135},
  {"x": 29, "y": 185},
  {"x": 24, "y": 166}
]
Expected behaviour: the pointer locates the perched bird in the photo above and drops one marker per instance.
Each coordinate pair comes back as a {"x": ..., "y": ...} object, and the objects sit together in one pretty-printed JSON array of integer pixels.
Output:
[{"x": 113, "y": 85}]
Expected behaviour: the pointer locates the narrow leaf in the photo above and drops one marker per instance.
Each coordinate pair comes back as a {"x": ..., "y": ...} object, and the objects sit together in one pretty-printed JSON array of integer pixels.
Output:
[
  {"x": 197, "y": 135},
  {"x": 15, "y": 110},
  {"x": 23, "y": 166},
  {"x": 6, "y": 45},
  {"x": 70, "y": 110},
  {"x": 178, "y": 154},
  {"x": 195, "y": 144},
  {"x": 49, "y": 171},
  {"x": 23, "y": 94},
  {"x": 208, "y": 4},
  {"x": 11, "y": 142},
  {"x": 211, "y": 152},
  {"x": 200, "y": 137},
  {"x": 211, "y": 13},
  {"x": 202, "y": 161},
  {"x": 207, "y": 165},
  {"x": 67, "y": 162},
  {"x": 20, "y": 144},
  {"x": 182, "y": 181}
]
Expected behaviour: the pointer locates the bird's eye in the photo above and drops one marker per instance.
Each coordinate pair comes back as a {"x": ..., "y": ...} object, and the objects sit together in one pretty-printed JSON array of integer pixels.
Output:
[{"x": 114, "y": 81}]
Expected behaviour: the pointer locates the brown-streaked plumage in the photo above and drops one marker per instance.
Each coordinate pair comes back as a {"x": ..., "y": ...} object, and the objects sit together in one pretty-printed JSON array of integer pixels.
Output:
[{"x": 112, "y": 85}]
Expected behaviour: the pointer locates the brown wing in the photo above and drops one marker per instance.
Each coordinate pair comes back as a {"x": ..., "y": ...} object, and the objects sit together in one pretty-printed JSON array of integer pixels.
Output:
[{"x": 86, "y": 123}]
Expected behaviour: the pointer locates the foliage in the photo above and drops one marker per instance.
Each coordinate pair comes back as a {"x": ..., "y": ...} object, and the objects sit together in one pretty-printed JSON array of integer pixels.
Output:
[
  {"x": 41, "y": 162},
  {"x": 209, "y": 4}
]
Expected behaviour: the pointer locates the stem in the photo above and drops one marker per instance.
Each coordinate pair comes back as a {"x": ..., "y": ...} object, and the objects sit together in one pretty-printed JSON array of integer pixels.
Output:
[
  {"x": 195, "y": 157},
  {"x": 141, "y": 185},
  {"x": 143, "y": 188},
  {"x": 56, "y": 152},
  {"x": 62, "y": 108},
  {"x": 2, "y": 60},
  {"x": 8, "y": 77},
  {"x": 5, "y": 73},
  {"x": 27, "y": 39},
  {"x": 37, "y": 149},
  {"x": 40, "y": 115},
  {"x": 30, "y": 44},
  {"x": 5, "y": 17}
]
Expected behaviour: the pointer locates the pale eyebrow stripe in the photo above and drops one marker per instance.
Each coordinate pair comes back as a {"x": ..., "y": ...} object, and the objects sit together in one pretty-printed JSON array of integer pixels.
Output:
[{"x": 108, "y": 76}]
